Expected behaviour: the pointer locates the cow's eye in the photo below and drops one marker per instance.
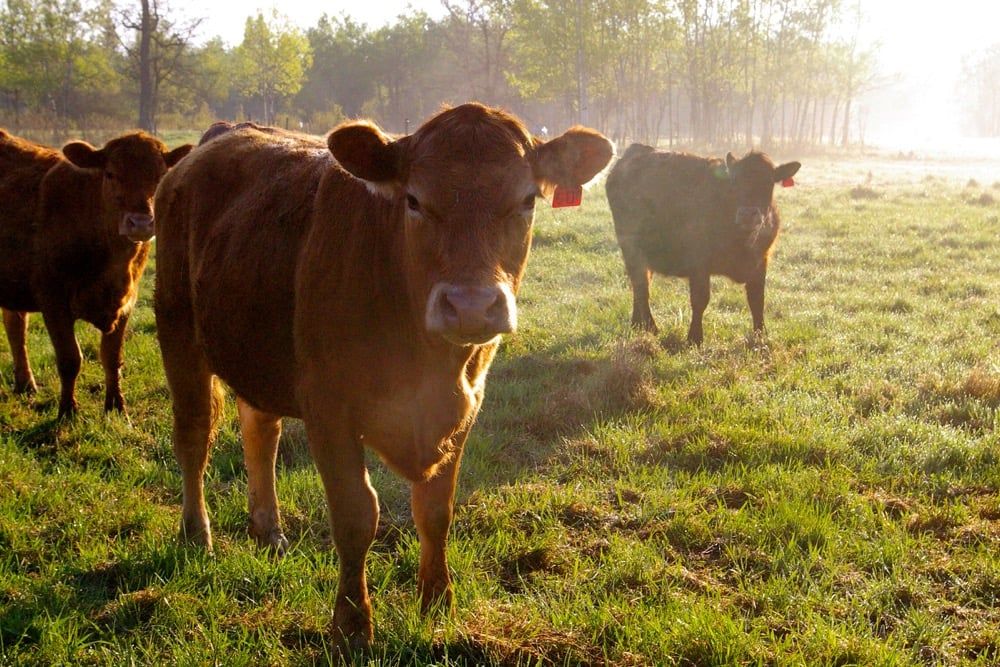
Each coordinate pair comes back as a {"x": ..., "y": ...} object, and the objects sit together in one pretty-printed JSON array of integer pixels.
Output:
[{"x": 412, "y": 203}]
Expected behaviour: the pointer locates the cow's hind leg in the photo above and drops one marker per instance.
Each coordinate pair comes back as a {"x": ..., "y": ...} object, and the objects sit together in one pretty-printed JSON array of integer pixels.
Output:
[
  {"x": 111, "y": 360},
  {"x": 354, "y": 513},
  {"x": 638, "y": 276},
  {"x": 432, "y": 505},
  {"x": 196, "y": 405},
  {"x": 700, "y": 286},
  {"x": 16, "y": 325},
  {"x": 261, "y": 432}
]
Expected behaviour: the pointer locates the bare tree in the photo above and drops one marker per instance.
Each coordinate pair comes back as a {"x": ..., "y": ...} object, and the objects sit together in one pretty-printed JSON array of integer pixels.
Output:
[{"x": 156, "y": 53}]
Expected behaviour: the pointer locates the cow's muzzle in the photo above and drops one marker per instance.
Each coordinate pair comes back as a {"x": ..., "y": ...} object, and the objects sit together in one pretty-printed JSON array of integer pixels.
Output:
[
  {"x": 471, "y": 315},
  {"x": 137, "y": 227}
]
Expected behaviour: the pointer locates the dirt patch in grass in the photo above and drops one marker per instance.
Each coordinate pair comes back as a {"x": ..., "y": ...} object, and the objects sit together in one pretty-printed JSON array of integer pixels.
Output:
[
  {"x": 129, "y": 610},
  {"x": 940, "y": 524},
  {"x": 864, "y": 192},
  {"x": 514, "y": 571}
]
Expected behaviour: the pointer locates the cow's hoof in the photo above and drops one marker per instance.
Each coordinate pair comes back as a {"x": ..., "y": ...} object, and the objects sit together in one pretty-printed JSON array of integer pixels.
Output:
[
  {"x": 67, "y": 412},
  {"x": 272, "y": 540},
  {"x": 352, "y": 629},
  {"x": 114, "y": 403},
  {"x": 436, "y": 599},
  {"x": 195, "y": 535},
  {"x": 26, "y": 388}
]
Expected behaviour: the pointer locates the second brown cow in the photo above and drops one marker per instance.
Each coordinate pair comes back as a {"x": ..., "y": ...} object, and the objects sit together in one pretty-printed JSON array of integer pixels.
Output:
[
  {"x": 683, "y": 215},
  {"x": 361, "y": 284},
  {"x": 74, "y": 237}
]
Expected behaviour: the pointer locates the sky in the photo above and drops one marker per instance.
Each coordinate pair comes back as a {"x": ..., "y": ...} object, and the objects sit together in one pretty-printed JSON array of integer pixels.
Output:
[{"x": 920, "y": 48}]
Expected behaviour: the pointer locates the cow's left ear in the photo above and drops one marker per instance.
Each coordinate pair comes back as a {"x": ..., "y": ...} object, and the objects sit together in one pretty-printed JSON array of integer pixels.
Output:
[
  {"x": 84, "y": 155},
  {"x": 367, "y": 153},
  {"x": 786, "y": 170},
  {"x": 176, "y": 155},
  {"x": 573, "y": 158}
]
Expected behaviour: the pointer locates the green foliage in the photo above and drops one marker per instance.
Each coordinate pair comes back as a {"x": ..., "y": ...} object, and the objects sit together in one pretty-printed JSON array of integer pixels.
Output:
[{"x": 272, "y": 60}]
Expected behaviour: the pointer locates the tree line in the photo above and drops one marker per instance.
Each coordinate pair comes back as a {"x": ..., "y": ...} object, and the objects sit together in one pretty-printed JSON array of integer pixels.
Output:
[{"x": 704, "y": 72}]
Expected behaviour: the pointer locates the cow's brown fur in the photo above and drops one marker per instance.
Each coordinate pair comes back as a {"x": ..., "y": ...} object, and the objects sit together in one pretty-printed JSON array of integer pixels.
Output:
[
  {"x": 683, "y": 215},
  {"x": 307, "y": 284},
  {"x": 61, "y": 252}
]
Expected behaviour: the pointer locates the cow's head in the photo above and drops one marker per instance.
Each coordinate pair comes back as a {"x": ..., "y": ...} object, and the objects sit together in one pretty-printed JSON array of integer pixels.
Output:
[
  {"x": 465, "y": 186},
  {"x": 132, "y": 166},
  {"x": 753, "y": 178}
]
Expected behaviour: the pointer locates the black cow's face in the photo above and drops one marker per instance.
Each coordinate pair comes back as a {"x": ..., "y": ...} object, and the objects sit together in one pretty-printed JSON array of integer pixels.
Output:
[
  {"x": 465, "y": 185},
  {"x": 753, "y": 178},
  {"x": 131, "y": 168}
]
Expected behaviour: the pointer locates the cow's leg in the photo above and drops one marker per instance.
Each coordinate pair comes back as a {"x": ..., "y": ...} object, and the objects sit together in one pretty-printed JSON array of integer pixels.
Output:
[
  {"x": 111, "y": 360},
  {"x": 700, "y": 286},
  {"x": 261, "y": 431},
  {"x": 16, "y": 325},
  {"x": 638, "y": 276},
  {"x": 353, "y": 504},
  {"x": 432, "y": 504},
  {"x": 68, "y": 358},
  {"x": 755, "y": 299},
  {"x": 195, "y": 406}
]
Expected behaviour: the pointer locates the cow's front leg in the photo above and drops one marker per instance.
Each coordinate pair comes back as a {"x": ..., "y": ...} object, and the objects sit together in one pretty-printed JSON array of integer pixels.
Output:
[
  {"x": 432, "y": 505},
  {"x": 68, "y": 358},
  {"x": 112, "y": 345},
  {"x": 755, "y": 299},
  {"x": 16, "y": 325},
  {"x": 700, "y": 286},
  {"x": 353, "y": 504}
]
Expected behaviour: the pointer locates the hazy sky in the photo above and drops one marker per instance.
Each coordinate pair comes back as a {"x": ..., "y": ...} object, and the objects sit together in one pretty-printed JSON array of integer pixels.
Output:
[{"x": 922, "y": 43}]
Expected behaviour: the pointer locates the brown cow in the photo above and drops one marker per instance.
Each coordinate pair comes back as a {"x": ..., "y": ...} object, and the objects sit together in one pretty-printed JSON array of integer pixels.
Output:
[
  {"x": 360, "y": 284},
  {"x": 74, "y": 236},
  {"x": 694, "y": 217}
]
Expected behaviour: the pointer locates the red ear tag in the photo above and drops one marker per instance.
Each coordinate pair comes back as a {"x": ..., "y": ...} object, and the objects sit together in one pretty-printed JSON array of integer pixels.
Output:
[
  {"x": 563, "y": 197},
  {"x": 788, "y": 182}
]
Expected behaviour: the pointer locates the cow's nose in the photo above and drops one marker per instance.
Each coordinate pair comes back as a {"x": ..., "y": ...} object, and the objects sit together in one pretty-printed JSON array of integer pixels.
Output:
[
  {"x": 471, "y": 314},
  {"x": 138, "y": 227}
]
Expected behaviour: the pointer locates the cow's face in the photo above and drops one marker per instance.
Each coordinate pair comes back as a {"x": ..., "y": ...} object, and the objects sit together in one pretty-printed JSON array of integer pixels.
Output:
[
  {"x": 131, "y": 167},
  {"x": 753, "y": 178},
  {"x": 465, "y": 186}
]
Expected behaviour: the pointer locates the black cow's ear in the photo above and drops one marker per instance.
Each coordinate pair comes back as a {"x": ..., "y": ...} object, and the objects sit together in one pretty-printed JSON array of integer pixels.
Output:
[
  {"x": 786, "y": 170},
  {"x": 176, "y": 155},
  {"x": 573, "y": 158},
  {"x": 84, "y": 155},
  {"x": 730, "y": 160},
  {"x": 367, "y": 153}
]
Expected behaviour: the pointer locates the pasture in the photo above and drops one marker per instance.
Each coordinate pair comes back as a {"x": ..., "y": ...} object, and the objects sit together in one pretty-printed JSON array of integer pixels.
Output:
[{"x": 827, "y": 496}]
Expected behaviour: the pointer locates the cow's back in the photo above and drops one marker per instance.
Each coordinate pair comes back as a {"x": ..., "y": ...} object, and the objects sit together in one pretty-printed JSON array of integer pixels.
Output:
[
  {"x": 23, "y": 165},
  {"x": 670, "y": 205},
  {"x": 231, "y": 219}
]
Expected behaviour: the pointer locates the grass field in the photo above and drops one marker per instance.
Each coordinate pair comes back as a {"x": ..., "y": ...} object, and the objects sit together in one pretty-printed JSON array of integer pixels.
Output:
[{"x": 830, "y": 496}]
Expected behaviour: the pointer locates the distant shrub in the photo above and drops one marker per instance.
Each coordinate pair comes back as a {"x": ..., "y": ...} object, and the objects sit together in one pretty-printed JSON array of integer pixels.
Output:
[{"x": 864, "y": 192}]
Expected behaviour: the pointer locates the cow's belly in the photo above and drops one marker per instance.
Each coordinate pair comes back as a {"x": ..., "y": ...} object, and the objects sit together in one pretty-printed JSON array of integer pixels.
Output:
[{"x": 243, "y": 306}]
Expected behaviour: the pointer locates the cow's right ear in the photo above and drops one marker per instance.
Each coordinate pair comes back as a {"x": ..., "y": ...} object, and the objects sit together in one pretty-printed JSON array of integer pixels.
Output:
[
  {"x": 84, "y": 155},
  {"x": 367, "y": 153},
  {"x": 176, "y": 155}
]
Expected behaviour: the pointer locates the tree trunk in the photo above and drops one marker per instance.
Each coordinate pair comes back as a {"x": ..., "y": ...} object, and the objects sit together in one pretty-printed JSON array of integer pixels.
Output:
[{"x": 147, "y": 115}]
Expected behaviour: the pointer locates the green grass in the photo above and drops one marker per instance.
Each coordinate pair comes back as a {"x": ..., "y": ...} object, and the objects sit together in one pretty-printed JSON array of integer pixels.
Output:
[{"x": 830, "y": 496}]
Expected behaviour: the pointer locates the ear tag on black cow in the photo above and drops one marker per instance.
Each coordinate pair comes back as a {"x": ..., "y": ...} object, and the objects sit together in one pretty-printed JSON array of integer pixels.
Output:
[
  {"x": 788, "y": 182},
  {"x": 564, "y": 197}
]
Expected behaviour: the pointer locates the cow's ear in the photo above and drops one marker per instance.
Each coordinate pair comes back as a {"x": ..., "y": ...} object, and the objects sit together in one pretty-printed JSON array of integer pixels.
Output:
[
  {"x": 786, "y": 170},
  {"x": 573, "y": 158},
  {"x": 730, "y": 160},
  {"x": 84, "y": 155},
  {"x": 175, "y": 156},
  {"x": 366, "y": 152}
]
